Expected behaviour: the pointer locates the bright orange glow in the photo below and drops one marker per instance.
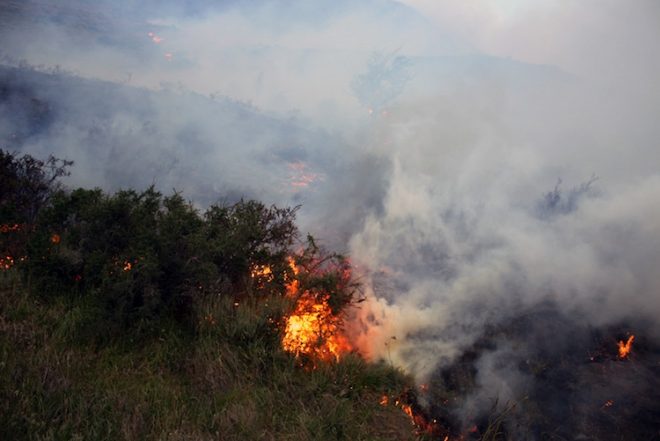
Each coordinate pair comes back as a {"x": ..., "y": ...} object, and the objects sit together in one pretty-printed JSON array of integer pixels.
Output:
[
  {"x": 55, "y": 239},
  {"x": 384, "y": 400},
  {"x": 262, "y": 274},
  {"x": 293, "y": 285},
  {"x": 312, "y": 329},
  {"x": 417, "y": 419},
  {"x": 407, "y": 409},
  {"x": 625, "y": 348},
  {"x": 127, "y": 266}
]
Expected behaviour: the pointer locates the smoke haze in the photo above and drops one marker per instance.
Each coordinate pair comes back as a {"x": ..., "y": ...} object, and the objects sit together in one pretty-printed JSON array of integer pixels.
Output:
[{"x": 479, "y": 163}]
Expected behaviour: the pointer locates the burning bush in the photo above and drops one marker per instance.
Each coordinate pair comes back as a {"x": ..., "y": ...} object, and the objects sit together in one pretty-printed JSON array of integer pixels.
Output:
[
  {"x": 320, "y": 289},
  {"x": 139, "y": 258},
  {"x": 27, "y": 186},
  {"x": 135, "y": 270}
]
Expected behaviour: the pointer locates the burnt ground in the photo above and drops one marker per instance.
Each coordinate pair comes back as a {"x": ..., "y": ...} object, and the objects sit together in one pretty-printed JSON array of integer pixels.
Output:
[{"x": 566, "y": 382}]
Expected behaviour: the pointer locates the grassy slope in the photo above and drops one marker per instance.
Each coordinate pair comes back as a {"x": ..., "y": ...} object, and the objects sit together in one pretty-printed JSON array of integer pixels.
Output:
[{"x": 223, "y": 382}]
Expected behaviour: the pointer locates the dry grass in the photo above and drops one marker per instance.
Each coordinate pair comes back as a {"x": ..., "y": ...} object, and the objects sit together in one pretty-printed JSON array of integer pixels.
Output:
[{"x": 229, "y": 381}]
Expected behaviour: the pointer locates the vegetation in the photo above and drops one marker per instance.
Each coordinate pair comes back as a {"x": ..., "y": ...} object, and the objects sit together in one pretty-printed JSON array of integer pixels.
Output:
[{"x": 134, "y": 316}]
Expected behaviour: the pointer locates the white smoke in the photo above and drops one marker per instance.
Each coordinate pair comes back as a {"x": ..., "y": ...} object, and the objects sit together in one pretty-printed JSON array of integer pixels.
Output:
[
  {"x": 471, "y": 232},
  {"x": 443, "y": 194}
]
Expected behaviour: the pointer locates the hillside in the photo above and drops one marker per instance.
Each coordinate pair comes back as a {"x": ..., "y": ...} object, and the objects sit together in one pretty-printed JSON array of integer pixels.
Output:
[
  {"x": 133, "y": 316},
  {"x": 223, "y": 382}
]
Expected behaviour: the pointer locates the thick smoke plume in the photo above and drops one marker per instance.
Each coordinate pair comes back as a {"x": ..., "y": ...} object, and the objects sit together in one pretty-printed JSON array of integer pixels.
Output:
[{"x": 493, "y": 171}]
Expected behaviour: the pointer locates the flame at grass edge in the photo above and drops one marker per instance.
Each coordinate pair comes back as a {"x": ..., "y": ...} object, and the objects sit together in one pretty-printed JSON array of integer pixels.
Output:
[{"x": 312, "y": 329}]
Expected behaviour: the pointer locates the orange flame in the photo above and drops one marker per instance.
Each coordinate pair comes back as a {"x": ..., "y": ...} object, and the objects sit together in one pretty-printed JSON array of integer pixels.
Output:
[
  {"x": 418, "y": 420},
  {"x": 625, "y": 348},
  {"x": 55, "y": 239},
  {"x": 262, "y": 274},
  {"x": 407, "y": 409},
  {"x": 312, "y": 329}
]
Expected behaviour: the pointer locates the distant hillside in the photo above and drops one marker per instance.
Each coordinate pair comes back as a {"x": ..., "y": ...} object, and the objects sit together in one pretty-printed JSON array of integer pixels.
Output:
[{"x": 126, "y": 136}]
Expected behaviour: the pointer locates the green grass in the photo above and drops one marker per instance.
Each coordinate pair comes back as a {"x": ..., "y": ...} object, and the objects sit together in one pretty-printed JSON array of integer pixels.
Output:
[{"x": 227, "y": 380}]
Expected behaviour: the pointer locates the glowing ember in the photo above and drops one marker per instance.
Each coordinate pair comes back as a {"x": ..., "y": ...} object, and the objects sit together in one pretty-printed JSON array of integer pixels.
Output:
[
  {"x": 6, "y": 228},
  {"x": 384, "y": 400},
  {"x": 6, "y": 262},
  {"x": 300, "y": 176},
  {"x": 625, "y": 348},
  {"x": 55, "y": 239},
  {"x": 407, "y": 409},
  {"x": 262, "y": 273},
  {"x": 418, "y": 420},
  {"x": 155, "y": 38},
  {"x": 127, "y": 266}
]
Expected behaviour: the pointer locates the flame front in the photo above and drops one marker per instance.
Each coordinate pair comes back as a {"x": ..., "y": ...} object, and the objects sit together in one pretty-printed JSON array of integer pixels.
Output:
[
  {"x": 625, "y": 348},
  {"x": 312, "y": 329},
  {"x": 417, "y": 419}
]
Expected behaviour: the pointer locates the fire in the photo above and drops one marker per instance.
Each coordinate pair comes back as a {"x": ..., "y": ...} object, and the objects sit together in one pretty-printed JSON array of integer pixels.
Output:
[
  {"x": 6, "y": 228},
  {"x": 407, "y": 409},
  {"x": 155, "y": 38},
  {"x": 6, "y": 262},
  {"x": 417, "y": 419},
  {"x": 55, "y": 239},
  {"x": 300, "y": 176},
  {"x": 312, "y": 329},
  {"x": 293, "y": 285},
  {"x": 262, "y": 273},
  {"x": 126, "y": 264},
  {"x": 625, "y": 348}
]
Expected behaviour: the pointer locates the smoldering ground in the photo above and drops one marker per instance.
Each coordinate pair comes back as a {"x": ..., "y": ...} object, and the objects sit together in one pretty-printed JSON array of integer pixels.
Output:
[{"x": 492, "y": 170}]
